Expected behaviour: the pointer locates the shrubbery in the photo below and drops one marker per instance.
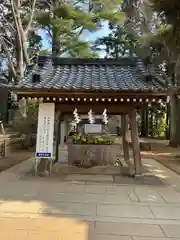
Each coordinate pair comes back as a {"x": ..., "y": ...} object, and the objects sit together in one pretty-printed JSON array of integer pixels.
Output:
[{"x": 25, "y": 127}]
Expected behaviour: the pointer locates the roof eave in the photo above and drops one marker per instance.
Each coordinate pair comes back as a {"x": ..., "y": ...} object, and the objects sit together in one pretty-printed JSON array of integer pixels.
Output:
[{"x": 53, "y": 91}]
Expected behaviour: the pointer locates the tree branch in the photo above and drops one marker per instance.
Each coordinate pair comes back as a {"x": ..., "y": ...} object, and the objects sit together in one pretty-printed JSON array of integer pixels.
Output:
[
  {"x": 8, "y": 57},
  {"x": 23, "y": 41},
  {"x": 14, "y": 12},
  {"x": 19, "y": 38},
  {"x": 20, "y": 31},
  {"x": 31, "y": 18}
]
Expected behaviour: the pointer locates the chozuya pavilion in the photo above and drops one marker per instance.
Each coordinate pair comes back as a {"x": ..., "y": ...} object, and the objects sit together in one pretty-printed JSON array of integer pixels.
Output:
[{"x": 120, "y": 87}]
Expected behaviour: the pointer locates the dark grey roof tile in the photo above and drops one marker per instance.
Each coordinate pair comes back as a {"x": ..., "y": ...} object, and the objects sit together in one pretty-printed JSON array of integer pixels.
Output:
[{"x": 85, "y": 74}]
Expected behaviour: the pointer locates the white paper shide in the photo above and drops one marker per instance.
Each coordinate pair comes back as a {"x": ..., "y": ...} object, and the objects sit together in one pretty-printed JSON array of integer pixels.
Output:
[{"x": 45, "y": 131}]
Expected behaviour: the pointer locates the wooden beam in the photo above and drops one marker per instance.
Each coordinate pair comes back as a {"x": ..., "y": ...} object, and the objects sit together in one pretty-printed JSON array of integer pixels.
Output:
[
  {"x": 82, "y": 92},
  {"x": 135, "y": 143},
  {"x": 97, "y": 108}
]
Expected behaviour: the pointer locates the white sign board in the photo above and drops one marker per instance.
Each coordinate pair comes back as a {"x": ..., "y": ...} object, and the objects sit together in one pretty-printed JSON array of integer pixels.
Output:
[
  {"x": 45, "y": 131},
  {"x": 93, "y": 128}
]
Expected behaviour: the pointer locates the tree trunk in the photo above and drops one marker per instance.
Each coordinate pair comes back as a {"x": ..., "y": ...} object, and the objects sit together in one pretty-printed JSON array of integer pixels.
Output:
[
  {"x": 177, "y": 121},
  {"x": 18, "y": 41},
  {"x": 167, "y": 122},
  {"x": 144, "y": 122},
  {"x": 173, "y": 121},
  {"x": 55, "y": 33},
  {"x": 151, "y": 122},
  {"x": 19, "y": 60}
]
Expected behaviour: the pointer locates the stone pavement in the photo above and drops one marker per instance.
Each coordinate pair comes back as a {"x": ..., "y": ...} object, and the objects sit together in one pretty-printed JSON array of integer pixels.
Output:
[{"x": 47, "y": 208}]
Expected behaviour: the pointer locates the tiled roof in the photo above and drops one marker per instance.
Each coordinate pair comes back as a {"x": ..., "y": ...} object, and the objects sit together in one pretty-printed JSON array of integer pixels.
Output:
[{"x": 90, "y": 75}]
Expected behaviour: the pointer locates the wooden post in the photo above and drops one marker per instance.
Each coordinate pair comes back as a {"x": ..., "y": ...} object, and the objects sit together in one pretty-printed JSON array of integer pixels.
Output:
[
  {"x": 58, "y": 137},
  {"x": 135, "y": 143},
  {"x": 124, "y": 122},
  {"x": 62, "y": 134}
]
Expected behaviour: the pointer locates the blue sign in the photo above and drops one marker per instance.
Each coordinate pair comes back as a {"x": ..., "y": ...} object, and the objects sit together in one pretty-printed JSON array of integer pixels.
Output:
[{"x": 43, "y": 155}]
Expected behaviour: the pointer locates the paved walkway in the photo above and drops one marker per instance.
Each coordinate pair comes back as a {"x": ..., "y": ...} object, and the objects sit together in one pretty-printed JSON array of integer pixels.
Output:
[{"x": 48, "y": 209}]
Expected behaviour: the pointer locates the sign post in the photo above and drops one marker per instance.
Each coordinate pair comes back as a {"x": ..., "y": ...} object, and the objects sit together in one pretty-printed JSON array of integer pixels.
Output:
[{"x": 45, "y": 131}]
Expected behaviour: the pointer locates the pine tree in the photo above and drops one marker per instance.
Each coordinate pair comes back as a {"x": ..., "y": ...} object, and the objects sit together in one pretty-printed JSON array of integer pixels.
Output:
[
  {"x": 65, "y": 22},
  {"x": 119, "y": 43}
]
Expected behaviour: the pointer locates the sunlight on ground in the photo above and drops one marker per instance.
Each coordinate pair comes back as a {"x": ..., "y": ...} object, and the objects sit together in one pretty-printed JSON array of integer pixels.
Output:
[
  {"x": 161, "y": 176},
  {"x": 152, "y": 198},
  {"x": 37, "y": 220},
  {"x": 164, "y": 154},
  {"x": 158, "y": 171},
  {"x": 147, "y": 165}
]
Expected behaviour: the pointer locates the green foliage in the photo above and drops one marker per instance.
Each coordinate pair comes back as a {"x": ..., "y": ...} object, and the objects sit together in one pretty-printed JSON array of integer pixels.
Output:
[
  {"x": 119, "y": 42},
  {"x": 157, "y": 120},
  {"x": 34, "y": 43},
  {"x": 162, "y": 126},
  {"x": 65, "y": 23},
  {"x": 25, "y": 128},
  {"x": 169, "y": 12},
  {"x": 91, "y": 139},
  {"x": 170, "y": 9}
]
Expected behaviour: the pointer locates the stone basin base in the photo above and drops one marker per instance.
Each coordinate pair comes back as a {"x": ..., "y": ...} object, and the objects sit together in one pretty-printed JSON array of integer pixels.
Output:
[{"x": 92, "y": 154}]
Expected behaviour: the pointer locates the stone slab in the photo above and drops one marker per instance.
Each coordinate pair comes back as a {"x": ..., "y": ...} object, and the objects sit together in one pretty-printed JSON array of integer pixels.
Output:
[
  {"x": 106, "y": 198},
  {"x": 108, "y": 237},
  {"x": 92, "y": 178},
  {"x": 133, "y": 196},
  {"x": 53, "y": 208},
  {"x": 170, "y": 195},
  {"x": 72, "y": 188},
  {"x": 95, "y": 189},
  {"x": 99, "y": 170},
  {"x": 166, "y": 212},
  {"x": 126, "y": 211},
  {"x": 116, "y": 189},
  {"x": 129, "y": 229},
  {"x": 145, "y": 179},
  {"x": 148, "y": 195},
  {"x": 152, "y": 238},
  {"x": 171, "y": 231},
  {"x": 124, "y": 179},
  {"x": 91, "y": 198},
  {"x": 86, "y": 209},
  {"x": 148, "y": 179}
]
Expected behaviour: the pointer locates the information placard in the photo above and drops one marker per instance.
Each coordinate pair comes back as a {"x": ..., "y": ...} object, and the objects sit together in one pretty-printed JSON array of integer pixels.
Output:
[{"x": 45, "y": 131}]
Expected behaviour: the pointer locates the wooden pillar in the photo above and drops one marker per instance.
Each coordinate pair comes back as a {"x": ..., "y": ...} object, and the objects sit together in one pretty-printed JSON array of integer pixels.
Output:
[
  {"x": 58, "y": 136},
  {"x": 124, "y": 121},
  {"x": 66, "y": 129},
  {"x": 62, "y": 134},
  {"x": 124, "y": 126},
  {"x": 135, "y": 143}
]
